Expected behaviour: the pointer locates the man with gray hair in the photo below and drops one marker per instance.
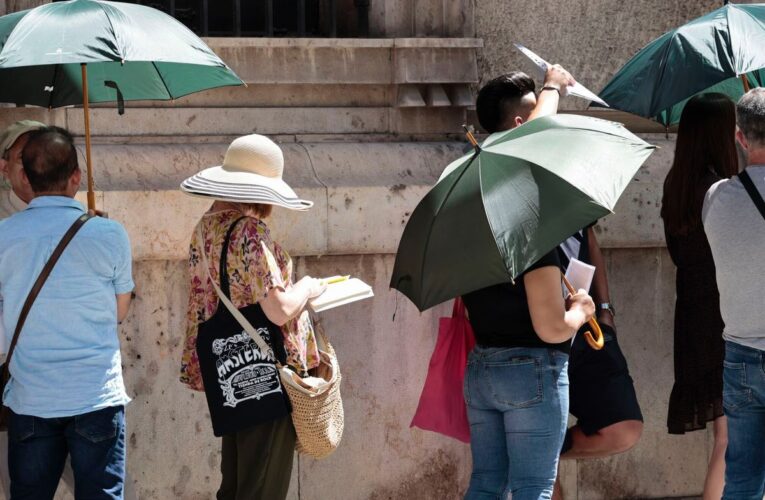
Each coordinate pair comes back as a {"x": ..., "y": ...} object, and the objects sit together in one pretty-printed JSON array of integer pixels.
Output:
[{"x": 734, "y": 221}]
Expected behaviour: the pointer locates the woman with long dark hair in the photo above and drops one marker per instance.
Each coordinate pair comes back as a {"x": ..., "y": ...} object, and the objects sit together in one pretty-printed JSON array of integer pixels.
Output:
[{"x": 705, "y": 152}]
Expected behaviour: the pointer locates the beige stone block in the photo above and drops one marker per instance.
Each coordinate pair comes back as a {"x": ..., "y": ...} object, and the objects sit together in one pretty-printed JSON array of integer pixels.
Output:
[
  {"x": 136, "y": 167},
  {"x": 459, "y": 18},
  {"x": 384, "y": 364},
  {"x": 435, "y": 64},
  {"x": 370, "y": 202},
  {"x": 429, "y": 18},
  {"x": 636, "y": 221},
  {"x": 399, "y": 18},
  {"x": 308, "y": 60},
  {"x": 11, "y": 115},
  {"x": 281, "y": 95},
  {"x": 160, "y": 223},
  {"x": 427, "y": 120},
  {"x": 231, "y": 121}
]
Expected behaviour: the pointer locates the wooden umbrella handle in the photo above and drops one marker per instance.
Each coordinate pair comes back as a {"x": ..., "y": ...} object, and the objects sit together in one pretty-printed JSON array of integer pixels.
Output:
[{"x": 597, "y": 342}]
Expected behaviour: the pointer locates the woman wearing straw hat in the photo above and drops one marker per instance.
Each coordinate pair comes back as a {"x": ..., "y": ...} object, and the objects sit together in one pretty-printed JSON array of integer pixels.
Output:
[{"x": 233, "y": 256}]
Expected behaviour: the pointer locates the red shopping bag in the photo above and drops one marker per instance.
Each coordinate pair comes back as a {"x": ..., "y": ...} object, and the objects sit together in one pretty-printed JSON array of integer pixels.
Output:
[{"x": 442, "y": 406}]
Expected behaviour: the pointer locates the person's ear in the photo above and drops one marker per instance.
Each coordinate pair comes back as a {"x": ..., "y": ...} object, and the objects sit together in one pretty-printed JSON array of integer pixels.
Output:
[
  {"x": 24, "y": 178},
  {"x": 75, "y": 179},
  {"x": 518, "y": 121},
  {"x": 742, "y": 139},
  {"x": 4, "y": 167}
]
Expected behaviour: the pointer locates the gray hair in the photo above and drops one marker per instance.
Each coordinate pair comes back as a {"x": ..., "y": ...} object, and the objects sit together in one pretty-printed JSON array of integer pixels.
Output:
[{"x": 750, "y": 115}]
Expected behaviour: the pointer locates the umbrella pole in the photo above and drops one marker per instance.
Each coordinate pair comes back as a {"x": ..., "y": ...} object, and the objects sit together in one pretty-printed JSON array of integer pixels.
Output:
[
  {"x": 86, "y": 109},
  {"x": 745, "y": 81}
]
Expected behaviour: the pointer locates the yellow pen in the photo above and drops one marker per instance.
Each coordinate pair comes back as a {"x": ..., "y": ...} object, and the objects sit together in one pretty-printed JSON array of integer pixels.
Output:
[{"x": 337, "y": 279}]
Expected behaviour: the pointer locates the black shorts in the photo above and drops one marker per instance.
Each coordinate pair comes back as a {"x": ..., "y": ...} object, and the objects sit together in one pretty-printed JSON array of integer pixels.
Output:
[{"x": 601, "y": 392}]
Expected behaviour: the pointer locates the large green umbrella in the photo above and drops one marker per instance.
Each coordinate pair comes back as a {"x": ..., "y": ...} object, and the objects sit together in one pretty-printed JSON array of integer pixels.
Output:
[
  {"x": 723, "y": 51},
  {"x": 83, "y": 51},
  {"x": 498, "y": 210}
]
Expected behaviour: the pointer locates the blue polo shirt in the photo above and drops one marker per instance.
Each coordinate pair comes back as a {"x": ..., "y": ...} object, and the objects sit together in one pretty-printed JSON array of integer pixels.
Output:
[{"x": 67, "y": 361}]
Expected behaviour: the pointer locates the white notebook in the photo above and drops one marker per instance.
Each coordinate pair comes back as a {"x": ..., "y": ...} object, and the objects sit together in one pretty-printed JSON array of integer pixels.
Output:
[{"x": 341, "y": 293}]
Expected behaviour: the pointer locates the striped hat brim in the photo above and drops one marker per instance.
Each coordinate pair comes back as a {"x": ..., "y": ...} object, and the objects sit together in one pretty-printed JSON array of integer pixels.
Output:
[{"x": 276, "y": 193}]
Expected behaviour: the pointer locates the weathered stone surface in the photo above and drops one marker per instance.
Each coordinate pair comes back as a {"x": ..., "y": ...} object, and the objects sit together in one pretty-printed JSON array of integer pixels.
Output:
[
  {"x": 642, "y": 287},
  {"x": 230, "y": 121},
  {"x": 350, "y": 61},
  {"x": 380, "y": 456},
  {"x": 364, "y": 194},
  {"x": 591, "y": 38}
]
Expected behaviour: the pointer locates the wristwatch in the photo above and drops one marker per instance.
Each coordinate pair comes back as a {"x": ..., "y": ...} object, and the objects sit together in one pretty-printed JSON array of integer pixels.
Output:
[{"x": 607, "y": 306}]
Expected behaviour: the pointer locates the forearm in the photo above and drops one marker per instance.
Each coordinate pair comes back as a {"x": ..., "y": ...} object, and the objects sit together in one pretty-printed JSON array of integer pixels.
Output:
[
  {"x": 547, "y": 104},
  {"x": 280, "y": 305},
  {"x": 123, "y": 306},
  {"x": 600, "y": 293}
]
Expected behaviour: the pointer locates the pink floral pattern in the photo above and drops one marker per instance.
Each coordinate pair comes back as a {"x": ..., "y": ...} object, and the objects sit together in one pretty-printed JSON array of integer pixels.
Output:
[{"x": 256, "y": 265}]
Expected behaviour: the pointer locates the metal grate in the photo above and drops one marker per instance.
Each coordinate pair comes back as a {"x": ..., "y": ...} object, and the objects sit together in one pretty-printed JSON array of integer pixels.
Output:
[{"x": 259, "y": 18}]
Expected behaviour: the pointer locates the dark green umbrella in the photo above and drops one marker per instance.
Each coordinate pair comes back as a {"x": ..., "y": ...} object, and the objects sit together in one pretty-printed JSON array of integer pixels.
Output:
[
  {"x": 497, "y": 211},
  {"x": 723, "y": 51},
  {"x": 83, "y": 51}
]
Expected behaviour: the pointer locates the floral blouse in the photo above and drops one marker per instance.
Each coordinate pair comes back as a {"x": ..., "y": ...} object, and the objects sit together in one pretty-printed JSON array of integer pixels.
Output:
[{"x": 256, "y": 264}]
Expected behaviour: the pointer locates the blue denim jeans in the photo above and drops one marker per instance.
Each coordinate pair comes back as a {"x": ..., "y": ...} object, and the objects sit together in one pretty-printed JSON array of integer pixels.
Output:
[
  {"x": 517, "y": 406},
  {"x": 38, "y": 447},
  {"x": 744, "y": 405}
]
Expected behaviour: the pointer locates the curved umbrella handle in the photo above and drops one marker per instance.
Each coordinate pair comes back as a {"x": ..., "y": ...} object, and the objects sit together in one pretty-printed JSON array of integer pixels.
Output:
[{"x": 597, "y": 342}]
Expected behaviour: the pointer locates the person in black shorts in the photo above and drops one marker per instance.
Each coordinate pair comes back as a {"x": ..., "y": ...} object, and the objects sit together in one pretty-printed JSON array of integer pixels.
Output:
[{"x": 601, "y": 393}]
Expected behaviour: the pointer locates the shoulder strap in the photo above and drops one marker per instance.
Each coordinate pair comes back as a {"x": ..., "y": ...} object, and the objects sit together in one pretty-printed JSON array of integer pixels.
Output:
[
  {"x": 246, "y": 325},
  {"x": 752, "y": 190},
  {"x": 41, "y": 279}
]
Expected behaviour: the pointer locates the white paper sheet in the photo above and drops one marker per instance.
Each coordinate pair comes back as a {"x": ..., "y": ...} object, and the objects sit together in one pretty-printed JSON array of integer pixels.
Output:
[
  {"x": 577, "y": 89},
  {"x": 580, "y": 274}
]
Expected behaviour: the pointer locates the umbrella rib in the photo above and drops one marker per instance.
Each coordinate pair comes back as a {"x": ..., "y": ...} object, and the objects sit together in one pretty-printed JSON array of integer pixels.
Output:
[
  {"x": 114, "y": 31},
  {"x": 164, "y": 83}
]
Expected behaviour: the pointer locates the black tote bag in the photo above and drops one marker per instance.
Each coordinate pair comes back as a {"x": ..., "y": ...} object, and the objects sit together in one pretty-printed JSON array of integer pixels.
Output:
[{"x": 241, "y": 380}]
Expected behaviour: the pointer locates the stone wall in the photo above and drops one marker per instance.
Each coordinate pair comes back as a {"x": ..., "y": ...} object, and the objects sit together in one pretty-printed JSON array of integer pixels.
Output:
[{"x": 367, "y": 126}]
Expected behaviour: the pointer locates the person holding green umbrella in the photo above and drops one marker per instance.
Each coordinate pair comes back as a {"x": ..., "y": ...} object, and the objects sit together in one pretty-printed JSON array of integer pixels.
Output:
[
  {"x": 91, "y": 51},
  {"x": 487, "y": 231},
  {"x": 516, "y": 386}
]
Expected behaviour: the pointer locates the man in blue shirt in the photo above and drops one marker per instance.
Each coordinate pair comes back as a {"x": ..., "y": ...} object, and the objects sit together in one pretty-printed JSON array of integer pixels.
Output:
[{"x": 66, "y": 393}]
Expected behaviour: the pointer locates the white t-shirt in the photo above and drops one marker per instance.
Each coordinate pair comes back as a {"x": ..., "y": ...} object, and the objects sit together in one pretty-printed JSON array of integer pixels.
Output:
[{"x": 736, "y": 233}]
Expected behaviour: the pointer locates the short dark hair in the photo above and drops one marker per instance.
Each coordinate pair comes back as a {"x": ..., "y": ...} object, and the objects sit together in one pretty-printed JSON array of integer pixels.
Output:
[
  {"x": 750, "y": 115},
  {"x": 500, "y": 98},
  {"x": 49, "y": 159}
]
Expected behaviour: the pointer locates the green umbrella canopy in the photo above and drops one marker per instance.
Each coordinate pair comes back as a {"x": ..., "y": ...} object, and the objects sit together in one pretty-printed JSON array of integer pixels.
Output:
[
  {"x": 497, "y": 211},
  {"x": 706, "y": 55},
  {"x": 144, "y": 52}
]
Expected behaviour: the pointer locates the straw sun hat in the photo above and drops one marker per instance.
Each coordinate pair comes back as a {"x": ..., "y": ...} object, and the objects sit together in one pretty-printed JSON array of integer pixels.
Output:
[{"x": 251, "y": 173}]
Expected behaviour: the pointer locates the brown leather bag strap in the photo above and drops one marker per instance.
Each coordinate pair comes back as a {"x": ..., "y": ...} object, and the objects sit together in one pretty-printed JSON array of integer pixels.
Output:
[{"x": 41, "y": 279}]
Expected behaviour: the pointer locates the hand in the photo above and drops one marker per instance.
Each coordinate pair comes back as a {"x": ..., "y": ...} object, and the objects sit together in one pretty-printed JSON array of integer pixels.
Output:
[
  {"x": 582, "y": 301},
  {"x": 98, "y": 213},
  {"x": 315, "y": 287},
  {"x": 559, "y": 78}
]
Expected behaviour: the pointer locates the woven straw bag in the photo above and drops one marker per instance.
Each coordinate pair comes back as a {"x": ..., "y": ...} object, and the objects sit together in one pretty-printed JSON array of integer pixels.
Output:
[{"x": 317, "y": 413}]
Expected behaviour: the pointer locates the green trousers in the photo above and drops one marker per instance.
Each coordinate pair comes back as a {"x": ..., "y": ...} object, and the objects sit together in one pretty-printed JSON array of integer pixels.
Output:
[{"x": 257, "y": 462}]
